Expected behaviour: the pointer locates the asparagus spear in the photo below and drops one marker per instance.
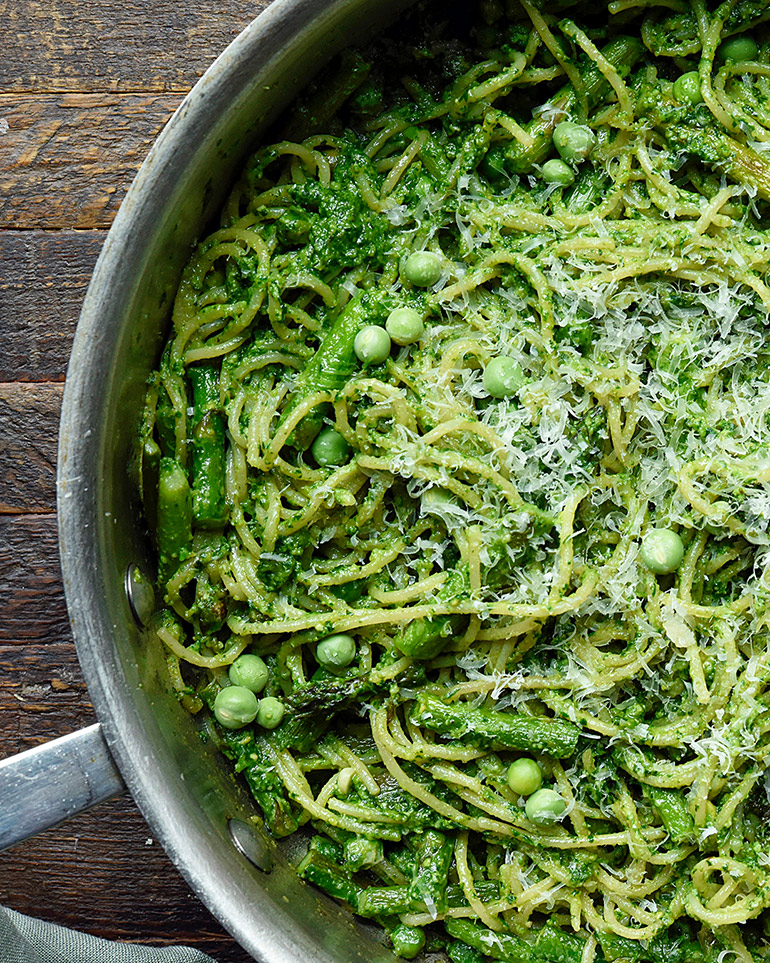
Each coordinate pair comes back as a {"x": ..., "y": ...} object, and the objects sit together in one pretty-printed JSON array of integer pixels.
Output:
[
  {"x": 174, "y": 527},
  {"x": 434, "y": 857},
  {"x": 425, "y": 638},
  {"x": 552, "y": 944},
  {"x": 208, "y": 449},
  {"x": 671, "y": 806},
  {"x": 376, "y": 901},
  {"x": 622, "y": 53},
  {"x": 696, "y": 135},
  {"x": 317, "y": 867},
  {"x": 486, "y": 727},
  {"x": 500, "y": 946},
  {"x": 256, "y": 761},
  {"x": 328, "y": 369}
]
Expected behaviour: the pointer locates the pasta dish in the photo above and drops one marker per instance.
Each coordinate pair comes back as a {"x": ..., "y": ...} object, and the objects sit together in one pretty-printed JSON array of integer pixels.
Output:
[{"x": 458, "y": 463}]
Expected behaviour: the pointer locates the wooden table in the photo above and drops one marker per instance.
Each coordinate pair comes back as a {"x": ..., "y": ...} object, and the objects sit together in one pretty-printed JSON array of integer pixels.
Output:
[{"x": 85, "y": 87}]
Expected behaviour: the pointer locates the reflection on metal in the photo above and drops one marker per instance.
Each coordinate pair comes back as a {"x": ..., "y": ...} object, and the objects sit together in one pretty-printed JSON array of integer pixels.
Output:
[
  {"x": 141, "y": 595},
  {"x": 250, "y": 842},
  {"x": 42, "y": 786}
]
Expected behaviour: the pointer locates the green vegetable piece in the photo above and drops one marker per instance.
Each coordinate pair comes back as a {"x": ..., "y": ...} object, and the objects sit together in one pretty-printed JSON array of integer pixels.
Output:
[
  {"x": 328, "y": 370},
  {"x": 422, "y": 268},
  {"x": 671, "y": 806},
  {"x": 174, "y": 525},
  {"x": 405, "y": 325},
  {"x": 487, "y": 727},
  {"x": 250, "y": 672},
  {"x": 149, "y": 464},
  {"x": 330, "y": 448},
  {"x": 738, "y": 50},
  {"x": 524, "y": 776},
  {"x": 235, "y": 706},
  {"x": 502, "y": 377},
  {"x": 255, "y": 759},
  {"x": 551, "y": 945},
  {"x": 425, "y": 638},
  {"x": 270, "y": 712},
  {"x": 317, "y": 868},
  {"x": 500, "y": 946},
  {"x": 662, "y": 551},
  {"x": 462, "y": 953},
  {"x": 335, "y": 652},
  {"x": 574, "y": 142},
  {"x": 557, "y": 946},
  {"x": 361, "y": 852},
  {"x": 208, "y": 448},
  {"x": 376, "y": 901},
  {"x": 622, "y": 53},
  {"x": 429, "y": 882},
  {"x": 544, "y": 807},
  {"x": 372, "y": 344},
  {"x": 693, "y": 136},
  {"x": 555, "y": 171},
  {"x": 687, "y": 88},
  {"x": 407, "y": 940}
]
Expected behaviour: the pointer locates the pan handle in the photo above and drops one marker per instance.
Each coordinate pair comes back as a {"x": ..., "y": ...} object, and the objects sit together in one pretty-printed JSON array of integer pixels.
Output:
[{"x": 51, "y": 782}]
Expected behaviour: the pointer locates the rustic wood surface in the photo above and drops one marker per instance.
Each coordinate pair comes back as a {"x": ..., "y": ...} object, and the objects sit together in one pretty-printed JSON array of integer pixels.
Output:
[{"x": 85, "y": 87}]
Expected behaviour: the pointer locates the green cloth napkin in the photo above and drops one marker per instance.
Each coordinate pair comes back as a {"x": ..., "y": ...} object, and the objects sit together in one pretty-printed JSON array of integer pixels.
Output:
[{"x": 27, "y": 940}]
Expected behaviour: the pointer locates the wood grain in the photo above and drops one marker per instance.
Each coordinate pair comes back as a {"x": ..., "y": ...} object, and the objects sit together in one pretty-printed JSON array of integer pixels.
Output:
[
  {"x": 43, "y": 693},
  {"x": 29, "y": 424},
  {"x": 33, "y": 606},
  {"x": 43, "y": 278},
  {"x": 67, "y": 160},
  {"x": 90, "y": 45}
]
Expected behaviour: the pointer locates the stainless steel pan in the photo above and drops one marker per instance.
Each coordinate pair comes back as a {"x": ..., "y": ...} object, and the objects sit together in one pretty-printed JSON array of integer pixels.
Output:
[{"x": 195, "y": 807}]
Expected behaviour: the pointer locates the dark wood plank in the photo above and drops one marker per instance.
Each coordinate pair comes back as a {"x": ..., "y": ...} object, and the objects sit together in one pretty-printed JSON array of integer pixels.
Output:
[
  {"x": 128, "y": 45},
  {"x": 67, "y": 160},
  {"x": 43, "y": 694},
  {"x": 29, "y": 424},
  {"x": 43, "y": 278},
  {"x": 31, "y": 593},
  {"x": 101, "y": 871}
]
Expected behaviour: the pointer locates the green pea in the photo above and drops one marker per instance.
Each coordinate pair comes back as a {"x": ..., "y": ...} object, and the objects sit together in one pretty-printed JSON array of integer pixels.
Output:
[
  {"x": 574, "y": 142},
  {"x": 544, "y": 807},
  {"x": 336, "y": 651},
  {"x": 557, "y": 172},
  {"x": 270, "y": 712},
  {"x": 249, "y": 671},
  {"x": 407, "y": 940},
  {"x": 687, "y": 88},
  {"x": 435, "y": 498},
  {"x": 405, "y": 325},
  {"x": 235, "y": 706},
  {"x": 372, "y": 344},
  {"x": 502, "y": 377},
  {"x": 525, "y": 776},
  {"x": 662, "y": 551},
  {"x": 738, "y": 50},
  {"x": 423, "y": 268},
  {"x": 330, "y": 448}
]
